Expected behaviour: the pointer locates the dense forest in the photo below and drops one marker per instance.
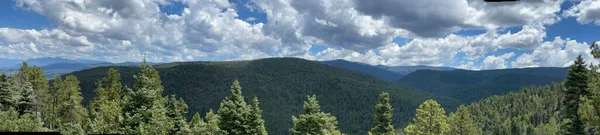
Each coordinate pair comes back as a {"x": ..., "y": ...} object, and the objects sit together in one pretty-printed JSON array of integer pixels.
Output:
[
  {"x": 29, "y": 102},
  {"x": 281, "y": 84}
]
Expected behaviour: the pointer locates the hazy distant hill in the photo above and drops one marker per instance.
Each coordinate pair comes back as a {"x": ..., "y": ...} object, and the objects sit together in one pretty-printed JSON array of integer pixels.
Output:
[
  {"x": 470, "y": 86},
  {"x": 404, "y": 70},
  {"x": 59, "y": 66},
  {"x": 281, "y": 85},
  {"x": 387, "y": 73},
  {"x": 382, "y": 74}
]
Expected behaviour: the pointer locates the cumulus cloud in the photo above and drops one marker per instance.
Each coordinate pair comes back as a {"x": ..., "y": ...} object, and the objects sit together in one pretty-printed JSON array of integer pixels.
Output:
[
  {"x": 557, "y": 53},
  {"x": 586, "y": 11},
  {"x": 496, "y": 62},
  {"x": 357, "y": 30}
]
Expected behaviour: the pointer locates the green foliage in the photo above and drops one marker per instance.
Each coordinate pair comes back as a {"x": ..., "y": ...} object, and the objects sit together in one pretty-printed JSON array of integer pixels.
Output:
[
  {"x": 239, "y": 118},
  {"x": 313, "y": 121},
  {"x": 69, "y": 101},
  {"x": 461, "y": 122},
  {"x": 282, "y": 85},
  {"x": 576, "y": 86},
  {"x": 383, "y": 117},
  {"x": 471, "y": 86},
  {"x": 11, "y": 121},
  {"x": 143, "y": 106},
  {"x": 430, "y": 120},
  {"x": 589, "y": 109},
  {"x": 256, "y": 123},
  {"x": 177, "y": 111},
  {"x": 209, "y": 127},
  {"x": 105, "y": 113},
  {"x": 70, "y": 128},
  {"x": 519, "y": 112}
]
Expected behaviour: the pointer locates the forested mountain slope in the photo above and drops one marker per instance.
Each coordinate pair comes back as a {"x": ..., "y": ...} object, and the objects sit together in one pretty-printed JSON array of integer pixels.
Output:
[
  {"x": 469, "y": 86},
  {"x": 380, "y": 73},
  {"x": 281, "y": 84}
]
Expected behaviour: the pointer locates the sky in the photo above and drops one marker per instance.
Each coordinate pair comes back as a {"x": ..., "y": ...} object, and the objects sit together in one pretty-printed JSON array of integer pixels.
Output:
[{"x": 467, "y": 34}]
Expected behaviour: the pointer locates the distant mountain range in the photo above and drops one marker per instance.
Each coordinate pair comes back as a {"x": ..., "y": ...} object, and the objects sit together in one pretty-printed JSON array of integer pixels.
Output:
[
  {"x": 59, "y": 66},
  {"x": 387, "y": 73},
  {"x": 464, "y": 85}
]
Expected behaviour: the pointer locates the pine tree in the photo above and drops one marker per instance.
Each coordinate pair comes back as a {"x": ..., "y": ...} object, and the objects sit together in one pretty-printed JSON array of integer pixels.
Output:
[
  {"x": 19, "y": 94},
  {"x": 313, "y": 121},
  {"x": 143, "y": 106},
  {"x": 11, "y": 121},
  {"x": 208, "y": 127},
  {"x": 429, "y": 120},
  {"x": 70, "y": 114},
  {"x": 4, "y": 93},
  {"x": 9, "y": 93},
  {"x": 105, "y": 109},
  {"x": 197, "y": 125},
  {"x": 256, "y": 123},
  {"x": 576, "y": 86},
  {"x": 177, "y": 111},
  {"x": 461, "y": 122},
  {"x": 35, "y": 75},
  {"x": 383, "y": 116},
  {"x": 233, "y": 112}
]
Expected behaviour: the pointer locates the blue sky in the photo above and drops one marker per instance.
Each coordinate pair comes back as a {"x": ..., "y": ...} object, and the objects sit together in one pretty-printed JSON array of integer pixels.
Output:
[{"x": 250, "y": 29}]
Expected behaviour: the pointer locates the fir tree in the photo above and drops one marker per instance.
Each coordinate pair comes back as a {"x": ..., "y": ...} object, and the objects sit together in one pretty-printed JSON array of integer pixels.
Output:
[
  {"x": 429, "y": 120},
  {"x": 461, "y": 122},
  {"x": 143, "y": 106},
  {"x": 313, "y": 121},
  {"x": 177, "y": 111},
  {"x": 208, "y": 127},
  {"x": 233, "y": 112},
  {"x": 11, "y": 121},
  {"x": 576, "y": 86},
  {"x": 256, "y": 123},
  {"x": 105, "y": 109},
  {"x": 383, "y": 116},
  {"x": 69, "y": 114},
  {"x": 35, "y": 76},
  {"x": 9, "y": 93}
]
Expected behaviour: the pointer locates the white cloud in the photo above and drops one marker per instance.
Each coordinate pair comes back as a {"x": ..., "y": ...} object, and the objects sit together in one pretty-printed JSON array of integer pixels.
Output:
[
  {"x": 496, "y": 62},
  {"x": 586, "y": 11},
  {"x": 357, "y": 30},
  {"x": 557, "y": 53}
]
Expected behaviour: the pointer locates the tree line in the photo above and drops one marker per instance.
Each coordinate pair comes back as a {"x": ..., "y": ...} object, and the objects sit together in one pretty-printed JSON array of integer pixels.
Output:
[{"x": 28, "y": 102}]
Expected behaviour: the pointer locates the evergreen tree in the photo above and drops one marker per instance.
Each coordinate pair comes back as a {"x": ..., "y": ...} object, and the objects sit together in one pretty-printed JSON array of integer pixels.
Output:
[
  {"x": 233, "y": 112},
  {"x": 429, "y": 120},
  {"x": 461, "y": 122},
  {"x": 35, "y": 75},
  {"x": 11, "y": 121},
  {"x": 18, "y": 94},
  {"x": 383, "y": 116},
  {"x": 256, "y": 123},
  {"x": 208, "y": 127},
  {"x": 576, "y": 86},
  {"x": 9, "y": 93},
  {"x": 144, "y": 106},
  {"x": 177, "y": 111},
  {"x": 105, "y": 109},
  {"x": 69, "y": 114},
  {"x": 313, "y": 121},
  {"x": 53, "y": 107}
]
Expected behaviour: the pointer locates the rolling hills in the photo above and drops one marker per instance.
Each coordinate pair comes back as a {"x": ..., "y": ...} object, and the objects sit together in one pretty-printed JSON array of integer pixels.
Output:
[
  {"x": 387, "y": 73},
  {"x": 469, "y": 86},
  {"x": 281, "y": 84},
  {"x": 380, "y": 73}
]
